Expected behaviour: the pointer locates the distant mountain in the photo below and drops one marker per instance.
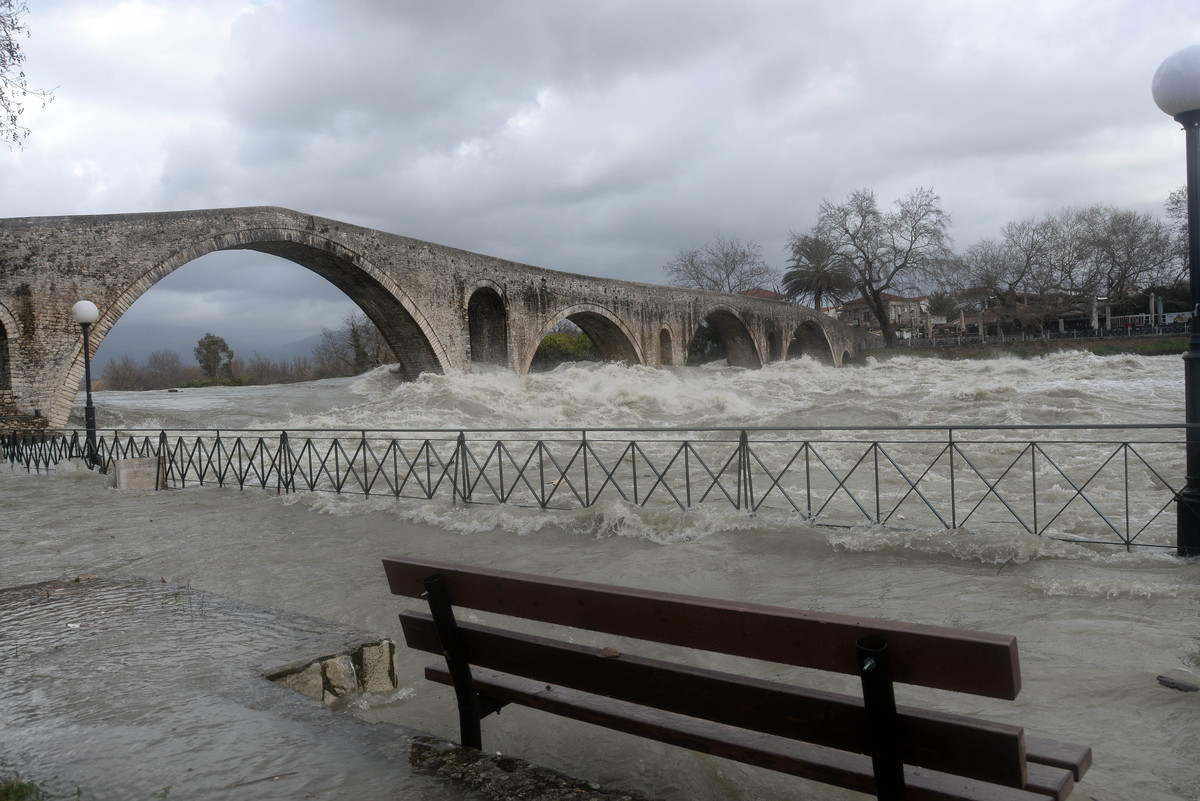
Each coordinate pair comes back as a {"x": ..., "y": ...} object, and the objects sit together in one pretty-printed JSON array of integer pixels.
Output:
[
  {"x": 290, "y": 350},
  {"x": 138, "y": 341}
]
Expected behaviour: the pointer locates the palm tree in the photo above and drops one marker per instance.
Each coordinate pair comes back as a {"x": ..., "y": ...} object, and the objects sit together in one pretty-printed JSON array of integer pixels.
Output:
[{"x": 817, "y": 271}]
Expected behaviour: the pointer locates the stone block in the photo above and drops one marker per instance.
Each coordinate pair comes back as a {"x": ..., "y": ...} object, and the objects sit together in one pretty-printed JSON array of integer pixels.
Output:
[
  {"x": 309, "y": 681},
  {"x": 142, "y": 473},
  {"x": 340, "y": 677},
  {"x": 377, "y": 674}
]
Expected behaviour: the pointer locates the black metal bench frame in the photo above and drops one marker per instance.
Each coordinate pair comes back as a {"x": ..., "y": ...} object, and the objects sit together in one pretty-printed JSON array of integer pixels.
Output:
[{"x": 867, "y": 744}]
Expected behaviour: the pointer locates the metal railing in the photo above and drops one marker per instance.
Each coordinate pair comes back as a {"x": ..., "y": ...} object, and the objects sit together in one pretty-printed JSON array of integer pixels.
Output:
[
  {"x": 1120, "y": 332},
  {"x": 1105, "y": 485}
]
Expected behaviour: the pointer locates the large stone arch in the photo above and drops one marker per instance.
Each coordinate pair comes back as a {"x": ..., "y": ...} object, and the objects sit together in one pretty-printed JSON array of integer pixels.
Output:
[
  {"x": 609, "y": 332},
  {"x": 487, "y": 325},
  {"x": 397, "y": 317},
  {"x": 734, "y": 335},
  {"x": 811, "y": 339}
]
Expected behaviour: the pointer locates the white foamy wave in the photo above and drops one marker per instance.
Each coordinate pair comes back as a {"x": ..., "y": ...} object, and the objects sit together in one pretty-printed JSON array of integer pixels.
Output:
[
  {"x": 661, "y": 526},
  {"x": 1113, "y": 587},
  {"x": 997, "y": 548},
  {"x": 1066, "y": 387},
  {"x": 571, "y": 396}
]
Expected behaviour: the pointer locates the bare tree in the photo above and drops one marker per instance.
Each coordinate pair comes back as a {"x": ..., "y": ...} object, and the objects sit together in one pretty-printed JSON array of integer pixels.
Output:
[
  {"x": 1069, "y": 261},
  {"x": 1177, "y": 215},
  {"x": 1062, "y": 281},
  {"x": 1127, "y": 250},
  {"x": 725, "y": 265},
  {"x": 14, "y": 89},
  {"x": 164, "y": 369},
  {"x": 124, "y": 375},
  {"x": 302, "y": 369},
  {"x": 1000, "y": 272},
  {"x": 887, "y": 250},
  {"x": 355, "y": 348}
]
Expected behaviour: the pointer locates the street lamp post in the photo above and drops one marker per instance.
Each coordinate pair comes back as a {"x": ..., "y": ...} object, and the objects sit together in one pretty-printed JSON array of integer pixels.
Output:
[
  {"x": 86, "y": 313},
  {"x": 1176, "y": 90}
]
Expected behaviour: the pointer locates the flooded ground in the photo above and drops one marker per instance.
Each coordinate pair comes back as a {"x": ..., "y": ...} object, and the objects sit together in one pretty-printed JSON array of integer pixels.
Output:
[{"x": 1096, "y": 626}]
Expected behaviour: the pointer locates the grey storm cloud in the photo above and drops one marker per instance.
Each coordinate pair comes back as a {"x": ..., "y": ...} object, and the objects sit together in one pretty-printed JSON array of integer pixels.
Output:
[{"x": 591, "y": 137}]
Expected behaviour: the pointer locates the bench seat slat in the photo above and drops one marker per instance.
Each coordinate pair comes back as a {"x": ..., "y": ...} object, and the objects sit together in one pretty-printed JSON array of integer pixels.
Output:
[
  {"x": 1069, "y": 756},
  {"x": 981, "y": 663},
  {"x": 818, "y": 763},
  {"x": 980, "y": 749}
]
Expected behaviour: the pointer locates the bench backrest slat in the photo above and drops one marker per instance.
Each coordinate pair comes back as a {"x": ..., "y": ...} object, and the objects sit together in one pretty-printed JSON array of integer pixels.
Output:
[
  {"x": 981, "y": 750},
  {"x": 980, "y": 663}
]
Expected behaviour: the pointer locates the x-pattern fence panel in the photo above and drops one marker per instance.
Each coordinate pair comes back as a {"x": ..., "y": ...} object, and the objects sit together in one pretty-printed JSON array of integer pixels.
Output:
[{"x": 1108, "y": 485}]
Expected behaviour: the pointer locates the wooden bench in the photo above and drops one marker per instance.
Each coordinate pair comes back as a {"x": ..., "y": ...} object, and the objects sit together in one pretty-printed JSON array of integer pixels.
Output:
[{"x": 867, "y": 744}]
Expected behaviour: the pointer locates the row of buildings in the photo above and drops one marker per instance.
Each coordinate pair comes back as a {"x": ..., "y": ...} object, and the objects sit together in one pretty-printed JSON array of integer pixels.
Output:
[{"x": 911, "y": 319}]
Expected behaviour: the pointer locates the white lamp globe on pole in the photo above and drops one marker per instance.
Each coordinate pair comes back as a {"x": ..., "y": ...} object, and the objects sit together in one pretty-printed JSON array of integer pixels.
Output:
[
  {"x": 1176, "y": 90},
  {"x": 86, "y": 313}
]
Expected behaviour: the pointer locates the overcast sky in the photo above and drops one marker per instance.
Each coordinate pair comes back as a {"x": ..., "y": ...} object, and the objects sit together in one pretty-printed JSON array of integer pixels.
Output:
[{"x": 595, "y": 137}]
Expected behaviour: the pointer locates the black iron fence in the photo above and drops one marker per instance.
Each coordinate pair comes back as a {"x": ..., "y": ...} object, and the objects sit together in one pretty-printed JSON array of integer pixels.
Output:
[
  {"x": 1118, "y": 331},
  {"x": 1109, "y": 485}
]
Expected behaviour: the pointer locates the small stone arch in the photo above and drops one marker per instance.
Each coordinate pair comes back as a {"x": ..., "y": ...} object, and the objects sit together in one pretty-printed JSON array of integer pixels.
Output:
[
  {"x": 774, "y": 350},
  {"x": 7, "y": 324},
  {"x": 610, "y": 334},
  {"x": 666, "y": 352},
  {"x": 845, "y": 357},
  {"x": 810, "y": 339},
  {"x": 487, "y": 325},
  {"x": 734, "y": 337}
]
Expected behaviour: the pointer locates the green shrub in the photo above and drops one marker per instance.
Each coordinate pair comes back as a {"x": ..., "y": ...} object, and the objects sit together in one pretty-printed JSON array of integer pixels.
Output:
[
  {"x": 557, "y": 348},
  {"x": 15, "y": 789}
]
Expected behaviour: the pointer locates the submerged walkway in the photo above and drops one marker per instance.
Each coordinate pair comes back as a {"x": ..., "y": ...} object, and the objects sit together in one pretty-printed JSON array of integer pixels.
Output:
[{"x": 140, "y": 689}]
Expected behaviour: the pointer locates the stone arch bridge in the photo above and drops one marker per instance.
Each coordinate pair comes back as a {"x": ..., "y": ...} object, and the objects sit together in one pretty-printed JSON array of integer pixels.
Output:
[{"x": 440, "y": 309}]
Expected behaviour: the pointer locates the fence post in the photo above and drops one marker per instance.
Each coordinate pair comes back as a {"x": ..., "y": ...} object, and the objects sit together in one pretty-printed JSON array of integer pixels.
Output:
[
  {"x": 366, "y": 485},
  {"x": 687, "y": 472},
  {"x": 587, "y": 489},
  {"x": 749, "y": 477},
  {"x": 633, "y": 469},
  {"x": 162, "y": 461},
  {"x": 460, "y": 468},
  {"x": 808, "y": 478},
  {"x": 878, "y": 511},
  {"x": 282, "y": 465},
  {"x": 953, "y": 506},
  {"x": 1033, "y": 484},
  {"x": 543, "y": 499},
  {"x": 214, "y": 459},
  {"x": 745, "y": 489},
  {"x": 1128, "y": 529}
]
